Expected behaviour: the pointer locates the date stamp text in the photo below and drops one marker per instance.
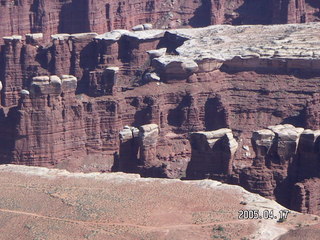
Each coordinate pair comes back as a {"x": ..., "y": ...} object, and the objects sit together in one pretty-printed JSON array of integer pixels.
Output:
[{"x": 263, "y": 214}]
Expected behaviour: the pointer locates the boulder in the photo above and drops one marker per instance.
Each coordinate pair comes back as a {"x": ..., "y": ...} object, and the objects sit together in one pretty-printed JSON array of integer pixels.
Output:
[
  {"x": 24, "y": 92},
  {"x": 152, "y": 77},
  {"x": 157, "y": 53},
  {"x": 147, "y": 26},
  {"x": 176, "y": 68},
  {"x": 148, "y": 135},
  {"x": 138, "y": 28},
  {"x": 128, "y": 133}
]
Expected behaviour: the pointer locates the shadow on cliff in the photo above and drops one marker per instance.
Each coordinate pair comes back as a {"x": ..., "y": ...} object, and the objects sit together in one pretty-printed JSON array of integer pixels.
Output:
[
  {"x": 171, "y": 42},
  {"x": 299, "y": 120},
  {"x": 8, "y": 136},
  {"x": 65, "y": 21},
  {"x": 143, "y": 114},
  {"x": 202, "y": 15},
  {"x": 282, "y": 192},
  {"x": 39, "y": 11},
  {"x": 178, "y": 115},
  {"x": 2, "y": 74},
  {"x": 315, "y": 4},
  {"x": 153, "y": 172},
  {"x": 298, "y": 73},
  {"x": 88, "y": 61},
  {"x": 253, "y": 12},
  {"x": 127, "y": 161},
  {"x": 215, "y": 114},
  {"x": 208, "y": 162},
  {"x": 73, "y": 17}
]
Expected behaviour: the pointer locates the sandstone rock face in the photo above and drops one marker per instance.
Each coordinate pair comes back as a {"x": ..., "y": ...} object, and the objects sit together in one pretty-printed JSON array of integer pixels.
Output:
[
  {"x": 262, "y": 141},
  {"x": 61, "y": 125},
  {"x": 127, "y": 160},
  {"x": 71, "y": 16},
  {"x": 284, "y": 143},
  {"x": 212, "y": 153},
  {"x": 65, "y": 101},
  {"x": 305, "y": 196},
  {"x": 276, "y": 149},
  {"x": 148, "y": 138},
  {"x": 286, "y": 160},
  {"x": 285, "y": 167},
  {"x": 138, "y": 150},
  {"x": 44, "y": 111}
]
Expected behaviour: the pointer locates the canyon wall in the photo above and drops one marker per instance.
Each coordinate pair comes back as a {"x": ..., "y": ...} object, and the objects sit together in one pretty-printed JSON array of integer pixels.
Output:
[
  {"x": 75, "y": 16},
  {"x": 131, "y": 100},
  {"x": 285, "y": 166},
  {"x": 19, "y": 17}
]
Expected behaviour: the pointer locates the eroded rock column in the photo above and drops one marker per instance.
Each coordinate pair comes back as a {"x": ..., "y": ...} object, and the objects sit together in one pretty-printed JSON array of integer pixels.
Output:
[
  {"x": 148, "y": 137},
  {"x": 129, "y": 149},
  {"x": 212, "y": 153}
]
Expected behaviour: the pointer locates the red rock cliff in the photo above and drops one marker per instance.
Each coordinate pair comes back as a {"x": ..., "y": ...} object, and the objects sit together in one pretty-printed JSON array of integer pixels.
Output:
[
  {"x": 73, "y": 16},
  {"x": 64, "y": 102}
]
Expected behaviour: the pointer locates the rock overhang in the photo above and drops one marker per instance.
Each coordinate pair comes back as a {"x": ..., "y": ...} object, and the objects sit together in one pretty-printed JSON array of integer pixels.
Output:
[
  {"x": 291, "y": 46},
  {"x": 115, "y": 35}
]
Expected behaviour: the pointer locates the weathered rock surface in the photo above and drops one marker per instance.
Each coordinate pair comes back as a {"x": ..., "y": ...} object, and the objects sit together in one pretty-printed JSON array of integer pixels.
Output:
[
  {"x": 305, "y": 196},
  {"x": 64, "y": 103},
  {"x": 285, "y": 167},
  {"x": 275, "y": 48},
  {"x": 212, "y": 153},
  {"x": 148, "y": 135},
  {"x": 72, "y": 16},
  {"x": 287, "y": 158}
]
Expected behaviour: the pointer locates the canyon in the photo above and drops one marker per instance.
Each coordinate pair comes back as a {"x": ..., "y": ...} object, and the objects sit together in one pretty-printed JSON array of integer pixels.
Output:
[{"x": 161, "y": 89}]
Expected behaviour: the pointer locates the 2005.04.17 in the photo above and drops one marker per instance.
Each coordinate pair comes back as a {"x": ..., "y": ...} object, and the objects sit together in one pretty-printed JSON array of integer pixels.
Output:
[{"x": 265, "y": 214}]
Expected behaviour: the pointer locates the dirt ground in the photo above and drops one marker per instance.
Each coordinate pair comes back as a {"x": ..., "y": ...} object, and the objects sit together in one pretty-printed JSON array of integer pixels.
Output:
[
  {"x": 38, "y": 204},
  {"x": 308, "y": 233}
]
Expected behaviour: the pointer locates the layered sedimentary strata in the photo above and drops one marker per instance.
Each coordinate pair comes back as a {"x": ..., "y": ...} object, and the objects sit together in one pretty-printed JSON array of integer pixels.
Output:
[
  {"x": 274, "y": 166},
  {"x": 49, "y": 109},
  {"x": 212, "y": 153},
  {"x": 286, "y": 166},
  {"x": 70, "y": 16},
  {"x": 274, "y": 48},
  {"x": 64, "y": 103},
  {"x": 128, "y": 159},
  {"x": 75, "y": 16},
  {"x": 305, "y": 196},
  {"x": 63, "y": 127},
  {"x": 148, "y": 136}
]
